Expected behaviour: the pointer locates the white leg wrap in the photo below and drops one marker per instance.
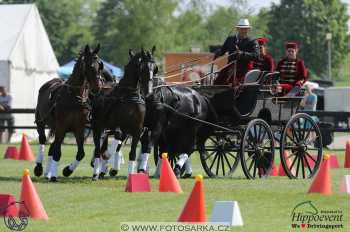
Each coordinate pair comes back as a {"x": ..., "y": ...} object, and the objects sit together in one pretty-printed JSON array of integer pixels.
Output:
[
  {"x": 131, "y": 167},
  {"x": 48, "y": 167},
  {"x": 144, "y": 161},
  {"x": 117, "y": 161},
  {"x": 97, "y": 166},
  {"x": 113, "y": 147},
  {"x": 182, "y": 159},
  {"x": 74, "y": 165},
  {"x": 188, "y": 166},
  {"x": 54, "y": 167},
  {"x": 104, "y": 166},
  {"x": 159, "y": 165},
  {"x": 41, "y": 152}
]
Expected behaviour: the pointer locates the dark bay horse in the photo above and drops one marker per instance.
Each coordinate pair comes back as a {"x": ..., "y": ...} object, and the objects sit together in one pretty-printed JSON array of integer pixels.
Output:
[
  {"x": 167, "y": 119},
  {"x": 124, "y": 107},
  {"x": 62, "y": 106}
]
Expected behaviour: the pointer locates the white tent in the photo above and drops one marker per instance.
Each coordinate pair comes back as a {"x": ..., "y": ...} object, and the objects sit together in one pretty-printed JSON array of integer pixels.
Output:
[{"x": 27, "y": 59}]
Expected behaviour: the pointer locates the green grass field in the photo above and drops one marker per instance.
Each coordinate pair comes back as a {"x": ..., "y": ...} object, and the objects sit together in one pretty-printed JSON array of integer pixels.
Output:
[{"x": 78, "y": 204}]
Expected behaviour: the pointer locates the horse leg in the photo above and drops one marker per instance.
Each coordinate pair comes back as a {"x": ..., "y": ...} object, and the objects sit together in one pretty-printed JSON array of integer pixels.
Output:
[
  {"x": 104, "y": 157},
  {"x": 132, "y": 153},
  {"x": 116, "y": 155},
  {"x": 38, "y": 169},
  {"x": 146, "y": 147},
  {"x": 47, "y": 173},
  {"x": 97, "y": 160},
  {"x": 79, "y": 137},
  {"x": 59, "y": 136},
  {"x": 188, "y": 168}
]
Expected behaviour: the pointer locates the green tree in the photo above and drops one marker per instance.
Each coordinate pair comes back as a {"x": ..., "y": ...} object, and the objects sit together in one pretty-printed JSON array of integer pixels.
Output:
[
  {"x": 307, "y": 22},
  {"x": 124, "y": 24}
]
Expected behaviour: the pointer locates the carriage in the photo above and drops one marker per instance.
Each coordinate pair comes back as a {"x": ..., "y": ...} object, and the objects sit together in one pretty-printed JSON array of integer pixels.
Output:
[{"x": 254, "y": 122}]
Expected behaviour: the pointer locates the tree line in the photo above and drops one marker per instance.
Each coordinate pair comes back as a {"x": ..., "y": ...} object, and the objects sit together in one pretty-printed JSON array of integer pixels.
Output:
[{"x": 178, "y": 25}]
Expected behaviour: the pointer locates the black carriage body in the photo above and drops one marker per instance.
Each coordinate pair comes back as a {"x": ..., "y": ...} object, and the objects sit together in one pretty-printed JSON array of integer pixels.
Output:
[{"x": 252, "y": 116}]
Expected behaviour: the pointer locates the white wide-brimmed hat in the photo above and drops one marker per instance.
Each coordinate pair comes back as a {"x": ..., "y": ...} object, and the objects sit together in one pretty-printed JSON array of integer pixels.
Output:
[{"x": 243, "y": 23}]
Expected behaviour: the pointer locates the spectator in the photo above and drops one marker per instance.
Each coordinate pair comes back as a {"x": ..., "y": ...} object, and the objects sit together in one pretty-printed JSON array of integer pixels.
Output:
[
  {"x": 5, "y": 105},
  {"x": 309, "y": 101}
]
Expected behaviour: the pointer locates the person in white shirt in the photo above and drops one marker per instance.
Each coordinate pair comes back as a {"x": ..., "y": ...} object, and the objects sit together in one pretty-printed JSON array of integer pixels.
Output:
[{"x": 5, "y": 105}]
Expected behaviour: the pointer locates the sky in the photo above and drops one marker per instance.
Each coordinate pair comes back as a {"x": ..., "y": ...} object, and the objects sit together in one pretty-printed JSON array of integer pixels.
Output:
[{"x": 257, "y": 4}]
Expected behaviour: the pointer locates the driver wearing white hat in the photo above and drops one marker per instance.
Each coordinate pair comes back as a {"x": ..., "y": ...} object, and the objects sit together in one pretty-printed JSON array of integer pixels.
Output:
[{"x": 241, "y": 48}]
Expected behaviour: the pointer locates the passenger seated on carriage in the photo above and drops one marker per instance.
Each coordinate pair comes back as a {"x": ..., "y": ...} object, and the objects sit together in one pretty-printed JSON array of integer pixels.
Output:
[
  {"x": 265, "y": 61},
  {"x": 241, "y": 48},
  {"x": 293, "y": 73}
]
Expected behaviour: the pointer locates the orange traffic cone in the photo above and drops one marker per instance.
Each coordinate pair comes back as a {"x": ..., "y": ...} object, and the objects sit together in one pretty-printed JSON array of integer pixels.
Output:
[
  {"x": 30, "y": 202},
  {"x": 138, "y": 182},
  {"x": 168, "y": 181},
  {"x": 347, "y": 155},
  {"x": 281, "y": 171},
  {"x": 25, "y": 152},
  {"x": 11, "y": 153},
  {"x": 322, "y": 182},
  {"x": 194, "y": 210},
  {"x": 274, "y": 171}
]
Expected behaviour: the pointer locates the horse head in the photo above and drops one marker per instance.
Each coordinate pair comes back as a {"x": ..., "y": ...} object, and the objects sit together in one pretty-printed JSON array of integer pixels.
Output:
[
  {"x": 93, "y": 67},
  {"x": 140, "y": 70}
]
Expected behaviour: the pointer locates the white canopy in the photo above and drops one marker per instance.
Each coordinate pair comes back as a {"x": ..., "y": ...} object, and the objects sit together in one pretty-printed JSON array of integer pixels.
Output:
[
  {"x": 23, "y": 41},
  {"x": 27, "y": 59}
]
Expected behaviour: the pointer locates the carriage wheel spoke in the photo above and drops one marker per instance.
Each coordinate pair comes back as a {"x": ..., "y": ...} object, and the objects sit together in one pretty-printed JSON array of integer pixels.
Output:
[
  {"x": 294, "y": 153},
  {"x": 218, "y": 165},
  {"x": 228, "y": 163},
  {"x": 299, "y": 129},
  {"x": 294, "y": 134},
  {"x": 223, "y": 165},
  {"x": 212, "y": 164},
  {"x": 297, "y": 172},
  {"x": 302, "y": 167},
  {"x": 255, "y": 134},
  {"x": 291, "y": 166},
  {"x": 292, "y": 139},
  {"x": 233, "y": 156},
  {"x": 311, "y": 157},
  {"x": 307, "y": 164},
  {"x": 211, "y": 154}
]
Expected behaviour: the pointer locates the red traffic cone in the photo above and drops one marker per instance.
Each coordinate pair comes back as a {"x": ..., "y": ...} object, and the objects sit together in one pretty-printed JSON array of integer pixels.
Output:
[
  {"x": 8, "y": 205},
  {"x": 25, "y": 152},
  {"x": 347, "y": 155},
  {"x": 138, "y": 182},
  {"x": 194, "y": 210},
  {"x": 168, "y": 181},
  {"x": 322, "y": 182},
  {"x": 30, "y": 203},
  {"x": 11, "y": 153},
  {"x": 274, "y": 171}
]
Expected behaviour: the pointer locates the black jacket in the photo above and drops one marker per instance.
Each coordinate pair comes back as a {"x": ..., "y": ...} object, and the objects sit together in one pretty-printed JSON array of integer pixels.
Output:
[{"x": 249, "y": 48}]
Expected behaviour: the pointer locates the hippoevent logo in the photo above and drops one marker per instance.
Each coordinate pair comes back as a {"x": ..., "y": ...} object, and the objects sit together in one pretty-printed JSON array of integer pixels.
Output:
[{"x": 306, "y": 215}]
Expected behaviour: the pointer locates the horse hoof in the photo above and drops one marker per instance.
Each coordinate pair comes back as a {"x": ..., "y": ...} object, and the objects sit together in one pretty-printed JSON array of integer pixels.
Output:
[
  {"x": 113, "y": 172},
  {"x": 187, "y": 175},
  {"x": 141, "y": 171},
  {"x": 53, "y": 179},
  {"x": 38, "y": 170},
  {"x": 101, "y": 175},
  {"x": 67, "y": 172},
  {"x": 177, "y": 171},
  {"x": 94, "y": 177}
]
